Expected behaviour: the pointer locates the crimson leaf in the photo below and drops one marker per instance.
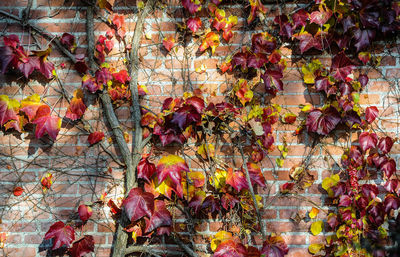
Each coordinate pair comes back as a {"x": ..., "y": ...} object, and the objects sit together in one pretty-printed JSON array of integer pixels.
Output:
[
  {"x": 138, "y": 204},
  {"x": 83, "y": 246},
  {"x": 62, "y": 235},
  {"x": 322, "y": 122}
]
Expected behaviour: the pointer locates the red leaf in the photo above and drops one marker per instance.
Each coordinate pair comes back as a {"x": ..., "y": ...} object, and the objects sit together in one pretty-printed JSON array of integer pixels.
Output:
[
  {"x": 69, "y": 41},
  {"x": 322, "y": 122},
  {"x": 46, "y": 181},
  {"x": 371, "y": 113},
  {"x": 308, "y": 41},
  {"x": 89, "y": 83},
  {"x": 146, "y": 169},
  {"x": 263, "y": 43},
  {"x": 121, "y": 76},
  {"x": 236, "y": 179},
  {"x": 300, "y": 18},
  {"x": 118, "y": 21},
  {"x": 275, "y": 246},
  {"x": 367, "y": 140},
  {"x": 191, "y": 6},
  {"x": 194, "y": 24},
  {"x": 76, "y": 107},
  {"x": 161, "y": 217},
  {"x": 211, "y": 40},
  {"x": 388, "y": 168},
  {"x": 320, "y": 17},
  {"x": 62, "y": 235},
  {"x": 113, "y": 207},
  {"x": 138, "y": 204},
  {"x": 168, "y": 43},
  {"x": 257, "y": 60},
  {"x": 83, "y": 246},
  {"x": 272, "y": 81},
  {"x": 45, "y": 123},
  {"x": 85, "y": 212},
  {"x": 256, "y": 175},
  {"x": 341, "y": 66},
  {"x": 95, "y": 137},
  {"x": 18, "y": 191},
  {"x": 230, "y": 248},
  {"x": 385, "y": 144}
]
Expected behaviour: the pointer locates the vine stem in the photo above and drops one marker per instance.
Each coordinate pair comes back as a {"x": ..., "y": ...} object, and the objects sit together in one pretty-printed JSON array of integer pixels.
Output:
[{"x": 251, "y": 189}]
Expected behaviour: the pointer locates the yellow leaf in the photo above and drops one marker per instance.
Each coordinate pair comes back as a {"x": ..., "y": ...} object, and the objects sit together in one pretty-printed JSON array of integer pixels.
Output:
[
  {"x": 315, "y": 248},
  {"x": 305, "y": 107},
  {"x": 218, "y": 180},
  {"x": 220, "y": 237},
  {"x": 313, "y": 213},
  {"x": 309, "y": 70},
  {"x": 206, "y": 151},
  {"x": 279, "y": 162},
  {"x": 316, "y": 227}
]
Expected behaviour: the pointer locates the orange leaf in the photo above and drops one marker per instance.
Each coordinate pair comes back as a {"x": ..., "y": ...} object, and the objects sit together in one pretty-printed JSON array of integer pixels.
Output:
[
  {"x": 168, "y": 43},
  {"x": 46, "y": 181},
  {"x": 76, "y": 108},
  {"x": 211, "y": 40},
  {"x": 171, "y": 167},
  {"x": 18, "y": 191},
  {"x": 8, "y": 109}
]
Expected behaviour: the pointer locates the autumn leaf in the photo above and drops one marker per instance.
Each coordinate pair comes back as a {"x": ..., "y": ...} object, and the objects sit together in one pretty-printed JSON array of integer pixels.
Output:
[
  {"x": 85, "y": 212},
  {"x": 289, "y": 118},
  {"x": 206, "y": 151},
  {"x": 316, "y": 227},
  {"x": 138, "y": 204},
  {"x": 8, "y": 109},
  {"x": 322, "y": 122},
  {"x": 367, "y": 140},
  {"x": 192, "y": 6},
  {"x": 146, "y": 169},
  {"x": 161, "y": 217},
  {"x": 68, "y": 40},
  {"x": 315, "y": 248},
  {"x": 62, "y": 235},
  {"x": 196, "y": 178},
  {"x": 193, "y": 24},
  {"x": 313, "y": 213},
  {"x": 220, "y": 237},
  {"x": 82, "y": 247},
  {"x": 371, "y": 112},
  {"x": 95, "y": 137},
  {"x": 230, "y": 248},
  {"x": 168, "y": 43},
  {"x": 341, "y": 66},
  {"x": 274, "y": 246},
  {"x": 45, "y": 123},
  {"x": 309, "y": 70},
  {"x": 18, "y": 191},
  {"x": 211, "y": 40},
  {"x": 76, "y": 108},
  {"x": 236, "y": 179},
  {"x": 30, "y": 105},
  {"x": 46, "y": 181},
  {"x": 171, "y": 167},
  {"x": 255, "y": 7}
]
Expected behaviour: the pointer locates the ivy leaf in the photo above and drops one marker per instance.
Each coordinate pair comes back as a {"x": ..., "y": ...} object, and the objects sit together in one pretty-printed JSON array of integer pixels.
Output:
[
  {"x": 388, "y": 167},
  {"x": 272, "y": 80},
  {"x": 263, "y": 43},
  {"x": 371, "y": 113},
  {"x": 211, "y": 40},
  {"x": 206, "y": 151},
  {"x": 45, "y": 123},
  {"x": 45, "y": 67},
  {"x": 138, "y": 204},
  {"x": 341, "y": 66},
  {"x": 307, "y": 41},
  {"x": 385, "y": 144},
  {"x": 18, "y": 191},
  {"x": 168, "y": 43},
  {"x": 95, "y": 137},
  {"x": 256, "y": 176},
  {"x": 243, "y": 92},
  {"x": 300, "y": 18},
  {"x": 46, "y": 181},
  {"x": 236, "y": 179},
  {"x": 69, "y": 41},
  {"x": 82, "y": 247},
  {"x": 30, "y": 105},
  {"x": 309, "y": 71},
  {"x": 171, "y": 167},
  {"x": 364, "y": 57},
  {"x": 230, "y": 248},
  {"x": 274, "y": 246},
  {"x": 315, "y": 248},
  {"x": 255, "y": 7},
  {"x": 193, "y": 24},
  {"x": 257, "y": 60},
  {"x": 363, "y": 38},
  {"x": 121, "y": 76},
  {"x": 8, "y": 109},
  {"x": 85, "y": 212},
  {"x": 241, "y": 59},
  {"x": 191, "y": 6},
  {"x": 62, "y": 235},
  {"x": 146, "y": 169},
  {"x": 322, "y": 122},
  {"x": 320, "y": 17},
  {"x": 90, "y": 84},
  {"x": 316, "y": 227},
  {"x": 391, "y": 203},
  {"x": 161, "y": 217},
  {"x": 76, "y": 108},
  {"x": 367, "y": 141},
  {"x": 313, "y": 213},
  {"x": 219, "y": 237}
]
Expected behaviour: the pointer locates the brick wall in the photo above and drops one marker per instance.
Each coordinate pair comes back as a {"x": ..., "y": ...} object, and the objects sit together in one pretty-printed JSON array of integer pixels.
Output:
[{"x": 82, "y": 174}]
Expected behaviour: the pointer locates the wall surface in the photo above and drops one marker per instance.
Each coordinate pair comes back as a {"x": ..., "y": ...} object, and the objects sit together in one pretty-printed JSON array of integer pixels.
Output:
[{"x": 82, "y": 173}]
